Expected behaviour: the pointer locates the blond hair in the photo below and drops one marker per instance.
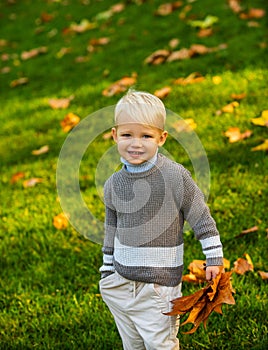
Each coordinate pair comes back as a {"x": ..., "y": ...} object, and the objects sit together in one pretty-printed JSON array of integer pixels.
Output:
[{"x": 141, "y": 107}]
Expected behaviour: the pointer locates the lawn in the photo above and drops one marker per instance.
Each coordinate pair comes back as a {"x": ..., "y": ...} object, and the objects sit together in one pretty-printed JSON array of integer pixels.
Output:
[{"x": 74, "y": 50}]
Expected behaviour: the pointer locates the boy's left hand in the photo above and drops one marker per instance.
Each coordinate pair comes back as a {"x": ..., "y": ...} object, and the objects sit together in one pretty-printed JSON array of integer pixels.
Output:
[{"x": 213, "y": 271}]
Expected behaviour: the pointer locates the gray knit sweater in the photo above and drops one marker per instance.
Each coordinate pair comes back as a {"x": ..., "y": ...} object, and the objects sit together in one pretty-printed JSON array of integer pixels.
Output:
[{"x": 145, "y": 214}]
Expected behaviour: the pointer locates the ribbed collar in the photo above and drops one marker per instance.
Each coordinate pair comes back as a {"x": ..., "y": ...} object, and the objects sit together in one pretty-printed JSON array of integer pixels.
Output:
[{"x": 140, "y": 167}]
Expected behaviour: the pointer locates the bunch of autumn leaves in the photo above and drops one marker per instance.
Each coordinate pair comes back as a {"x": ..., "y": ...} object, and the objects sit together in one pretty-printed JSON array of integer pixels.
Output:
[{"x": 217, "y": 292}]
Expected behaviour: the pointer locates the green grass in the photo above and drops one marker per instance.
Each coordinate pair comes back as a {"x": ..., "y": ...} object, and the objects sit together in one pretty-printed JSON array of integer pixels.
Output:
[{"x": 49, "y": 297}]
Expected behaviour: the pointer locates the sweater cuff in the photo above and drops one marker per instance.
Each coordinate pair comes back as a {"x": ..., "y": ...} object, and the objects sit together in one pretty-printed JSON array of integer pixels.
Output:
[{"x": 214, "y": 261}]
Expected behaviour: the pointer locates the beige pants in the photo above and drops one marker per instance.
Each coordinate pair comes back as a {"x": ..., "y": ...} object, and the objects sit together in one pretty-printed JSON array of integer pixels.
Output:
[{"x": 138, "y": 309}]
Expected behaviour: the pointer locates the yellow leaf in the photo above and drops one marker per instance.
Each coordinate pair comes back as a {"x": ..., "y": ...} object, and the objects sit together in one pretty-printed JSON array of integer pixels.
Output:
[
  {"x": 69, "y": 122},
  {"x": 262, "y": 120},
  {"x": 262, "y": 147},
  {"x": 60, "y": 221},
  {"x": 31, "y": 182},
  {"x": 41, "y": 150},
  {"x": 230, "y": 107}
]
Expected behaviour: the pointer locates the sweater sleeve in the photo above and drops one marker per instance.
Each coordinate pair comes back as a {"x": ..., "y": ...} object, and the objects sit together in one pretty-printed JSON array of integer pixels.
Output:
[
  {"x": 110, "y": 228},
  {"x": 197, "y": 214}
]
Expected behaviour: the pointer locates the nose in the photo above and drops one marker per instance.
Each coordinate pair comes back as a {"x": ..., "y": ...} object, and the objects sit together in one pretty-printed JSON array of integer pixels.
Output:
[{"x": 136, "y": 142}]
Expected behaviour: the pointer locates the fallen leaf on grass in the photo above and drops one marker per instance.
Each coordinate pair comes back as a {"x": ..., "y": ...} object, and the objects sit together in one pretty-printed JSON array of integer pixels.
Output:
[
  {"x": 157, "y": 57},
  {"x": 241, "y": 265},
  {"x": 262, "y": 120},
  {"x": 204, "y": 24},
  {"x": 83, "y": 26},
  {"x": 120, "y": 86},
  {"x": 249, "y": 230},
  {"x": 32, "y": 182},
  {"x": 253, "y": 13},
  {"x": 262, "y": 147},
  {"x": 205, "y": 32},
  {"x": 185, "y": 125},
  {"x": 235, "y": 5},
  {"x": 235, "y": 135},
  {"x": 230, "y": 107},
  {"x": 203, "y": 302},
  {"x": 263, "y": 274},
  {"x": 193, "y": 78},
  {"x": 163, "y": 92},
  {"x": 60, "y": 103},
  {"x": 18, "y": 82},
  {"x": 60, "y": 221},
  {"x": 42, "y": 150},
  {"x": 69, "y": 122},
  {"x": 16, "y": 177},
  {"x": 238, "y": 96},
  {"x": 168, "y": 8},
  {"x": 26, "y": 55}
]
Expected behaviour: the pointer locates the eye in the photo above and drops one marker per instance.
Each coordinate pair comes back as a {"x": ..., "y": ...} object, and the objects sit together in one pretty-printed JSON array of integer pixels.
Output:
[
  {"x": 147, "y": 136},
  {"x": 125, "y": 135}
]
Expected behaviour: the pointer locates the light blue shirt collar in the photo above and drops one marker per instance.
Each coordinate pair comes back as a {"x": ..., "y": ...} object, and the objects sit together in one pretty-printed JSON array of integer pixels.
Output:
[{"x": 140, "y": 167}]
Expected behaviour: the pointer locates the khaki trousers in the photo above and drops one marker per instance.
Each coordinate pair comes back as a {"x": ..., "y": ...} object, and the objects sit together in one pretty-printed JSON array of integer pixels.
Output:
[{"x": 138, "y": 308}]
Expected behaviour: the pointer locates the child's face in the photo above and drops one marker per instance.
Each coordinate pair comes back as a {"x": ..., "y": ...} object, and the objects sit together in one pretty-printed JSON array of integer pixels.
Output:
[{"x": 137, "y": 143}]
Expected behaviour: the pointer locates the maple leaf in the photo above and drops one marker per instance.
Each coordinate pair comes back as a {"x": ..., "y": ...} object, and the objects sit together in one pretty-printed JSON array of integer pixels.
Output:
[
  {"x": 60, "y": 103},
  {"x": 241, "y": 265},
  {"x": 60, "y": 221},
  {"x": 18, "y": 82},
  {"x": 262, "y": 120},
  {"x": 32, "y": 182},
  {"x": 262, "y": 147},
  {"x": 163, "y": 92},
  {"x": 193, "y": 78},
  {"x": 16, "y": 177},
  {"x": 263, "y": 274},
  {"x": 69, "y": 122},
  {"x": 168, "y": 8},
  {"x": 26, "y": 55},
  {"x": 120, "y": 85},
  {"x": 203, "y": 302},
  {"x": 42, "y": 150},
  {"x": 235, "y": 135}
]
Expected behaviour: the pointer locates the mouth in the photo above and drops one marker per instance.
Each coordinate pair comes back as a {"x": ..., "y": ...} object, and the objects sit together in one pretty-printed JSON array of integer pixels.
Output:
[{"x": 135, "y": 153}]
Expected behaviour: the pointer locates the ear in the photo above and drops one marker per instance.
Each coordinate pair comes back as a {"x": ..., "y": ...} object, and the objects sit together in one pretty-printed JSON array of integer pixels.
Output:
[
  {"x": 163, "y": 138},
  {"x": 114, "y": 134}
]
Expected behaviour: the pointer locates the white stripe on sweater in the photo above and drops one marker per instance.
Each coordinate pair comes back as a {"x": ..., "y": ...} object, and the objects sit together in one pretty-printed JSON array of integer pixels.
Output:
[{"x": 148, "y": 256}]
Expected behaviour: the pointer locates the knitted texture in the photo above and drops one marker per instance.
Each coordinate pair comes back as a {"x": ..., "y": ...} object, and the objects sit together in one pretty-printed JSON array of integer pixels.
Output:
[{"x": 145, "y": 215}]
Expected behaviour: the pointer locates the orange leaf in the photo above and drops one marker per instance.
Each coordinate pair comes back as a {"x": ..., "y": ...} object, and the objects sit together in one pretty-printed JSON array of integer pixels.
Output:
[
  {"x": 204, "y": 301},
  {"x": 178, "y": 55},
  {"x": 18, "y": 82},
  {"x": 168, "y": 8},
  {"x": 26, "y": 55},
  {"x": 249, "y": 230},
  {"x": 264, "y": 275},
  {"x": 60, "y": 221},
  {"x": 253, "y": 13},
  {"x": 60, "y": 103},
  {"x": 157, "y": 57},
  {"x": 69, "y": 122},
  {"x": 99, "y": 41},
  {"x": 235, "y": 5},
  {"x": 241, "y": 266},
  {"x": 193, "y": 78},
  {"x": 205, "y": 32},
  {"x": 120, "y": 86},
  {"x": 16, "y": 177},
  {"x": 32, "y": 182},
  {"x": 162, "y": 93},
  {"x": 238, "y": 96},
  {"x": 230, "y": 107},
  {"x": 41, "y": 150},
  {"x": 235, "y": 135}
]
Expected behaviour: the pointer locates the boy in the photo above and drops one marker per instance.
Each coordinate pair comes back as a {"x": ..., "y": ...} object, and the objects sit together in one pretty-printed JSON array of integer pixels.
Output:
[{"x": 147, "y": 202}]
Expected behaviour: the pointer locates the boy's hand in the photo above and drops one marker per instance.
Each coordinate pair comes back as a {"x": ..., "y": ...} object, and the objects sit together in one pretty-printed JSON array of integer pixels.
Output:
[{"x": 213, "y": 271}]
